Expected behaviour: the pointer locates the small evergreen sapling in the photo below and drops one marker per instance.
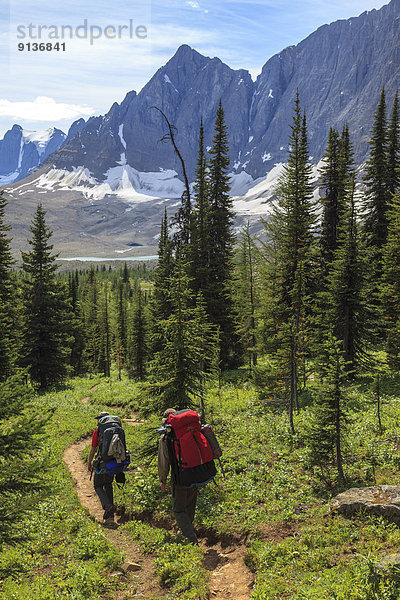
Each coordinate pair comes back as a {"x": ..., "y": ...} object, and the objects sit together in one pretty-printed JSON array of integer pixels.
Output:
[
  {"x": 23, "y": 464},
  {"x": 326, "y": 432}
]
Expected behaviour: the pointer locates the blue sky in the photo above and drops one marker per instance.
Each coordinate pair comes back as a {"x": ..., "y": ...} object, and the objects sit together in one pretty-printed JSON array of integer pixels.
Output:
[{"x": 42, "y": 89}]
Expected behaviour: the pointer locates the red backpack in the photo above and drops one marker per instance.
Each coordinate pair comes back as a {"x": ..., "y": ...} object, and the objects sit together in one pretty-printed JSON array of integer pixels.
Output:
[{"x": 190, "y": 452}]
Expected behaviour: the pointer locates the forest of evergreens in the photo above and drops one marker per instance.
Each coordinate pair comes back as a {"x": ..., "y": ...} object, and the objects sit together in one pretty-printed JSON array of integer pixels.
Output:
[{"x": 296, "y": 330}]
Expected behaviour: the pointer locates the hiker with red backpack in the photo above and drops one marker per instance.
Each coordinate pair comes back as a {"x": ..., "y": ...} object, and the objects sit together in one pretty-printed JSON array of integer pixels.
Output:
[
  {"x": 186, "y": 449},
  {"x": 112, "y": 458}
]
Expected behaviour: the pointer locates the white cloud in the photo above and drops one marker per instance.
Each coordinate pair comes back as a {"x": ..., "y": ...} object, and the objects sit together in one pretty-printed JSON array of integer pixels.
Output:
[
  {"x": 43, "y": 108},
  {"x": 193, "y": 4}
]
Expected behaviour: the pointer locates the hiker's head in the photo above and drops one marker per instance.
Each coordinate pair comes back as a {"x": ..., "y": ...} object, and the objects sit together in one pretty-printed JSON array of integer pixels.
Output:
[
  {"x": 103, "y": 413},
  {"x": 169, "y": 411}
]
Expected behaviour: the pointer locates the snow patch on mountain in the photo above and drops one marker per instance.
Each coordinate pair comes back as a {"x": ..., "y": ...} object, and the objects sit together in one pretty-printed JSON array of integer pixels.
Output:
[
  {"x": 257, "y": 199},
  {"x": 21, "y": 151},
  {"x": 7, "y": 179},
  {"x": 121, "y": 136},
  {"x": 123, "y": 181},
  {"x": 167, "y": 80},
  {"x": 39, "y": 138}
]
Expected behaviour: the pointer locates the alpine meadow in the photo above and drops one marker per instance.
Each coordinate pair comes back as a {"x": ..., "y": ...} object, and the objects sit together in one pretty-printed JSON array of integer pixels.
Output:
[{"x": 270, "y": 335}]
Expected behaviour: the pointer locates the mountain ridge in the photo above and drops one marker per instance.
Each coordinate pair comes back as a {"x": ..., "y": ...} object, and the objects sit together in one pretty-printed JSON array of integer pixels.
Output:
[{"x": 114, "y": 177}]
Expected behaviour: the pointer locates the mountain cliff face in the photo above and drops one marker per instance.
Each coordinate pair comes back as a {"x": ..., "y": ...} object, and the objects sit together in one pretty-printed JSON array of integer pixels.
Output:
[
  {"x": 187, "y": 87},
  {"x": 339, "y": 71},
  {"x": 21, "y": 151},
  {"x": 106, "y": 186}
]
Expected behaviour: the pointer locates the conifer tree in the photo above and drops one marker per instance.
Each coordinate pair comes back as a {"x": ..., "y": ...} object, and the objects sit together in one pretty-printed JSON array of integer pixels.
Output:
[
  {"x": 176, "y": 374},
  {"x": 394, "y": 149},
  {"x": 47, "y": 315},
  {"x": 347, "y": 306},
  {"x": 77, "y": 326},
  {"x": 331, "y": 213},
  {"x": 24, "y": 466},
  {"x": 104, "y": 364},
  {"x": 7, "y": 298},
  {"x": 376, "y": 204},
  {"x": 329, "y": 423},
  {"x": 376, "y": 178},
  {"x": 218, "y": 296},
  {"x": 336, "y": 177},
  {"x": 138, "y": 338},
  {"x": 160, "y": 304},
  {"x": 291, "y": 231},
  {"x": 91, "y": 310},
  {"x": 245, "y": 293},
  {"x": 182, "y": 218},
  {"x": 391, "y": 285},
  {"x": 122, "y": 327},
  {"x": 346, "y": 164},
  {"x": 200, "y": 239},
  {"x": 125, "y": 274}
]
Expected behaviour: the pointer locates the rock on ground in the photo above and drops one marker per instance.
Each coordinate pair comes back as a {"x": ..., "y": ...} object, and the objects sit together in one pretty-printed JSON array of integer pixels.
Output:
[{"x": 383, "y": 500}]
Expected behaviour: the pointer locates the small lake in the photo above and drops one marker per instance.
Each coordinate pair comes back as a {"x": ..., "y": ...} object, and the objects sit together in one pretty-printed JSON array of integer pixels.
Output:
[{"x": 97, "y": 259}]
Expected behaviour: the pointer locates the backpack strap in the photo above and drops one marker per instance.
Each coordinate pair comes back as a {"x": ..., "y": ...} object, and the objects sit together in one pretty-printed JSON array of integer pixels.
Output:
[
  {"x": 222, "y": 468},
  {"x": 175, "y": 462}
]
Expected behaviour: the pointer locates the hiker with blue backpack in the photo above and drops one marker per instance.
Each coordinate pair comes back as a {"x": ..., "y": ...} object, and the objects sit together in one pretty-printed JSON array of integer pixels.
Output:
[
  {"x": 112, "y": 458},
  {"x": 187, "y": 449}
]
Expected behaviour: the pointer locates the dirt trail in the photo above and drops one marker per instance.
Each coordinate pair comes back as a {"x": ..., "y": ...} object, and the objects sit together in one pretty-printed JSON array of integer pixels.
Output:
[
  {"x": 229, "y": 577},
  {"x": 137, "y": 574},
  {"x": 86, "y": 399}
]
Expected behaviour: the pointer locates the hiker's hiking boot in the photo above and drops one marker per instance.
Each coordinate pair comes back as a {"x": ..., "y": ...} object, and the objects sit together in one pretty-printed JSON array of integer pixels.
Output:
[{"x": 109, "y": 512}]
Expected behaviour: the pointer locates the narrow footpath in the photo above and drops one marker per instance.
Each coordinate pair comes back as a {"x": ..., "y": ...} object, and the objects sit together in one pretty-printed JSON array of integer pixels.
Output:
[{"x": 229, "y": 577}]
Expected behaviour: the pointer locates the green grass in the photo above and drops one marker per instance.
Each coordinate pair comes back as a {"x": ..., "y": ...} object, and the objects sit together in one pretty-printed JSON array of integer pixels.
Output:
[
  {"x": 271, "y": 498},
  {"x": 270, "y": 487},
  {"x": 66, "y": 554}
]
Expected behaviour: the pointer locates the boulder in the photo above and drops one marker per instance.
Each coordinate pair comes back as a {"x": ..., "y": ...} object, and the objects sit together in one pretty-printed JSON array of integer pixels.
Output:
[{"x": 383, "y": 500}]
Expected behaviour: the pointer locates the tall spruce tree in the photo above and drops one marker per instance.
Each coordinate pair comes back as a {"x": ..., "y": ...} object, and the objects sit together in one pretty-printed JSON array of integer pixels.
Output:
[
  {"x": 200, "y": 239},
  {"x": 245, "y": 293},
  {"x": 331, "y": 209},
  {"x": 394, "y": 148},
  {"x": 291, "y": 231},
  {"x": 188, "y": 342},
  {"x": 347, "y": 305},
  {"x": 121, "y": 340},
  {"x": 376, "y": 179},
  {"x": 91, "y": 310},
  {"x": 77, "y": 325},
  {"x": 160, "y": 303},
  {"x": 336, "y": 174},
  {"x": 7, "y": 298},
  {"x": 218, "y": 296},
  {"x": 391, "y": 285},
  {"x": 346, "y": 163},
  {"x": 104, "y": 364},
  {"x": 47, "y": 315},
  {"x": 138, "y": 338}
]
